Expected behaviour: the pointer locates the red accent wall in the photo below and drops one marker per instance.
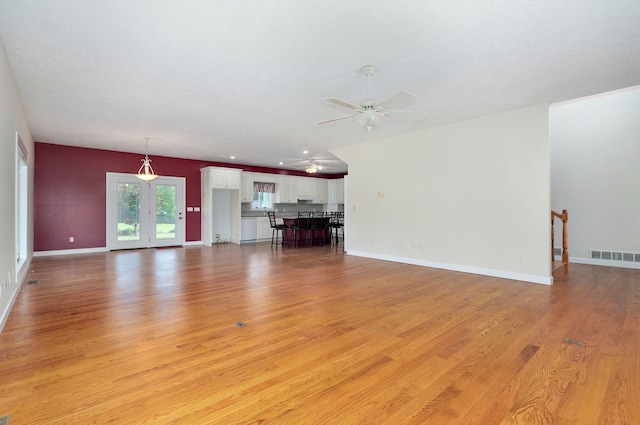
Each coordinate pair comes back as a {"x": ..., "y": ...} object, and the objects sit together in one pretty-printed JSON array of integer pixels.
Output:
[{"x": 70, "y": 192}]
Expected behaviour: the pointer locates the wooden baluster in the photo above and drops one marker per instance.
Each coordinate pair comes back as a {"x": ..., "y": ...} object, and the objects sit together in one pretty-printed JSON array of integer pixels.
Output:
[
  {"x": 553, "y": 255},
  {"x": 565, "y": 240}
]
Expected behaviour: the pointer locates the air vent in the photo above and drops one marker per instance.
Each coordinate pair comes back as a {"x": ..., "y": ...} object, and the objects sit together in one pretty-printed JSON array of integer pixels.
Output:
[{"x": 632, "y": 257}]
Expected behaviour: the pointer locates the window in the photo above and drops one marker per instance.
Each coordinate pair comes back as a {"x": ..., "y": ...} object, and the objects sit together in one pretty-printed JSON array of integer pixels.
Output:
[{"x": 263, "y": 196}]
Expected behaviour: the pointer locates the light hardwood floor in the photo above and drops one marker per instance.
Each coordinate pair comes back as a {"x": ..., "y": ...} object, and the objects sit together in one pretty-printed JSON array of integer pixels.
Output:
[{"x": 152, "y": 337}]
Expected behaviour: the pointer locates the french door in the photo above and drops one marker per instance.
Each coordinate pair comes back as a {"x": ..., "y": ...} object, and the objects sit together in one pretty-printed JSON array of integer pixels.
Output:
[{"x": 144, "y": 215}]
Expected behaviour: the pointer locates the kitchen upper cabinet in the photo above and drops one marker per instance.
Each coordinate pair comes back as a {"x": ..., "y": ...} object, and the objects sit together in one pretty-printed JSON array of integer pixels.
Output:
[
  {"x": 322, "y": 193},
  {"x": 336, "y": 191},
  {"x": 339, "y": 191},
  {"x": 287, "y": 189},
  {"x": 246, "y": 191},
  {"x": 307, "y": 187},
  {"x": 224, "y": 178}
]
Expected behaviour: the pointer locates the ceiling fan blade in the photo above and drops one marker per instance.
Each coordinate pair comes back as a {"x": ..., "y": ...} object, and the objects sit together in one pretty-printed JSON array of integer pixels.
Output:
[
  {"x": 410, "y": 115},
  {"x": 335, "y": 119},
  {"x": 342, "y": 103},
  {"x": 399, "y": 100}
]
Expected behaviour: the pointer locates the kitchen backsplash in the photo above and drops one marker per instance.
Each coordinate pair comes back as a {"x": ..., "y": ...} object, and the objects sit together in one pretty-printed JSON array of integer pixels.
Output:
[{"x": 283, "y": 210}]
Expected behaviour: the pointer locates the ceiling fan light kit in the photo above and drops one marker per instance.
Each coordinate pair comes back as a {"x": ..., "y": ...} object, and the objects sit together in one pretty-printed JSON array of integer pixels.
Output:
[
  {"x": 368, "y": 119},
  {"x": 370, "y": 112},
  {"x": 313, "y": 168}
]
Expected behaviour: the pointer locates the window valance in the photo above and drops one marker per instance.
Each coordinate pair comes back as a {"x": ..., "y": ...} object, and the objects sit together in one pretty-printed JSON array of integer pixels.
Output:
[{"x": 264, "y": 187}]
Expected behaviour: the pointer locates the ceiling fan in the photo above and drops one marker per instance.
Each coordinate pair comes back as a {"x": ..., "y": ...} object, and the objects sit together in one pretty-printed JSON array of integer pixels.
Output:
[
  {"x": 369, "y": 113},
  {"x": 313, "y": 165}
]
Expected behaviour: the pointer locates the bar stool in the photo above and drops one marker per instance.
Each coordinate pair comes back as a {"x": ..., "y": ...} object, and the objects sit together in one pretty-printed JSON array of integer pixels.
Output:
[
  {"x": 303, "y": 228},
  {"x": 275, "y": 228},
  {"x": 336, "y": 223},
  {"x": 319, "y": 227}
]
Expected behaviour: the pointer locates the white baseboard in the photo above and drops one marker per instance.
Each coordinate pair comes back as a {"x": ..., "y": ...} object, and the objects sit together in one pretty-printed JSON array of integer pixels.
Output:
[
  {"x": 69, "y": 251},
  {"x": 91, "y": 250},
  {"x": 193, "y": 243},
  {"x": 543, "y": 280},
  {"x": 606, "y": 263},
  {"x": 13, "y": 295},
  {"x": 15, "y": 289}
]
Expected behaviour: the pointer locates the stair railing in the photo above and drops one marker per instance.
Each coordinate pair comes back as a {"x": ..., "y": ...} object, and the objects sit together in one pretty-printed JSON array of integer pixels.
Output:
[{"x": 565, "y": 238}]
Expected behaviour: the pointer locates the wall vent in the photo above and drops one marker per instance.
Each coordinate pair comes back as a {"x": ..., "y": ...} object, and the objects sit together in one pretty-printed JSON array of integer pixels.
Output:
[{"x": 632, "y": 257}]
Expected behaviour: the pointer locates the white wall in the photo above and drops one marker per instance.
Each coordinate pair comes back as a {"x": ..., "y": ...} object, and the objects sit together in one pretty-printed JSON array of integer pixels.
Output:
[
  {"x": 12, "y": 119},
  {"x": 470, "y": 196},
  {"x": 595, "y": 171}
]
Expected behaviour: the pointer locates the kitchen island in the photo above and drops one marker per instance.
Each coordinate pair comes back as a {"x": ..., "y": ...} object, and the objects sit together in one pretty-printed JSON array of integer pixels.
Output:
[{"x": 306, "y": 231}]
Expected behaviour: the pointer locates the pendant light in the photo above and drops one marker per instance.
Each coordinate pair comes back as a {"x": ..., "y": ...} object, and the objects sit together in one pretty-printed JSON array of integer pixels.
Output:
[{"x": 145, "y": 172}]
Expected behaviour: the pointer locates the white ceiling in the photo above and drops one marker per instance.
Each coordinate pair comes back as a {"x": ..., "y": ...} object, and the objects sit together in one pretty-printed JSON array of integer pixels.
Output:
[{"x": 209, "y": 79}]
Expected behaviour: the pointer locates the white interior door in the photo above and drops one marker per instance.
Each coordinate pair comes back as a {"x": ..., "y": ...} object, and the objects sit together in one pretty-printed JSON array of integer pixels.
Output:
[{"x": 144, "y": 215}]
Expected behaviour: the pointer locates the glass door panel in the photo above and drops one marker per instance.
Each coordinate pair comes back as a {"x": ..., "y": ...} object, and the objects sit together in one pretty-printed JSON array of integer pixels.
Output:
[
  {"x": 165, "y": 212},
  {"x": 128, "y": 225},
  {"x": 168, "y": 225}
]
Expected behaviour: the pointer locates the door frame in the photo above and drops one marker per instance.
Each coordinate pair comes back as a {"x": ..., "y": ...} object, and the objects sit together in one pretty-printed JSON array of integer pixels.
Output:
[{"x": 147, "y": 236}]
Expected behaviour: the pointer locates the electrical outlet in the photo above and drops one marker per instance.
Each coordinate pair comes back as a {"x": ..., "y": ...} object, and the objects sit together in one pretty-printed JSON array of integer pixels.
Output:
[
  {"x": 72, "y": 239},
  {"x": 217, "y": 235},
  {"x": 521, "y": 257}
]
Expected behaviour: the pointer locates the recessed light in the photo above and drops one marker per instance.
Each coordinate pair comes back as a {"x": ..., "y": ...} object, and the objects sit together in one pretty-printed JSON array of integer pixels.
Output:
[
  {"x": 305, "y": 152},
  {"x": 232, "y": 157},
  {"x": 281, "y": 163}
]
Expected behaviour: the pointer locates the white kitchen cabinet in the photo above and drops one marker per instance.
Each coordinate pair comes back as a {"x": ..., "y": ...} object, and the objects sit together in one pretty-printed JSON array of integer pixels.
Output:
[
  {"x": 306, "y": 187},
  {"x": 287, "y": 189},
  {"x": 265, "y": 177},
  {"x": 339, "y": 191},
  {"x": 321, "y": 196},
  {"x": 212, "y": 179},
  {"x": 335, "y": 188},
  {"x": 264, "y": 228},
  {"x": 246, "y": 191},
  {"x": 225, "y": 178}
]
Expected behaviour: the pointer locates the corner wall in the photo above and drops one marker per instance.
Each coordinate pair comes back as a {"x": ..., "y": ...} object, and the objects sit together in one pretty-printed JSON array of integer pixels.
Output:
[
  {"x": 471, "y": 196},
  {"x": 595, "y": 163},
  {"x": 12, "y": 120}
]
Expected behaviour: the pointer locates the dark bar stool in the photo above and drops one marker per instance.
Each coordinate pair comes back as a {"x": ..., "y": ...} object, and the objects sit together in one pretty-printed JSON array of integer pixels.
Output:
[
  {"x": 303, "y": 229},
  {"x": 275, "y": 228},
  {"x": 319, "y": 228},
  {"x": 336, "y": 223}
]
